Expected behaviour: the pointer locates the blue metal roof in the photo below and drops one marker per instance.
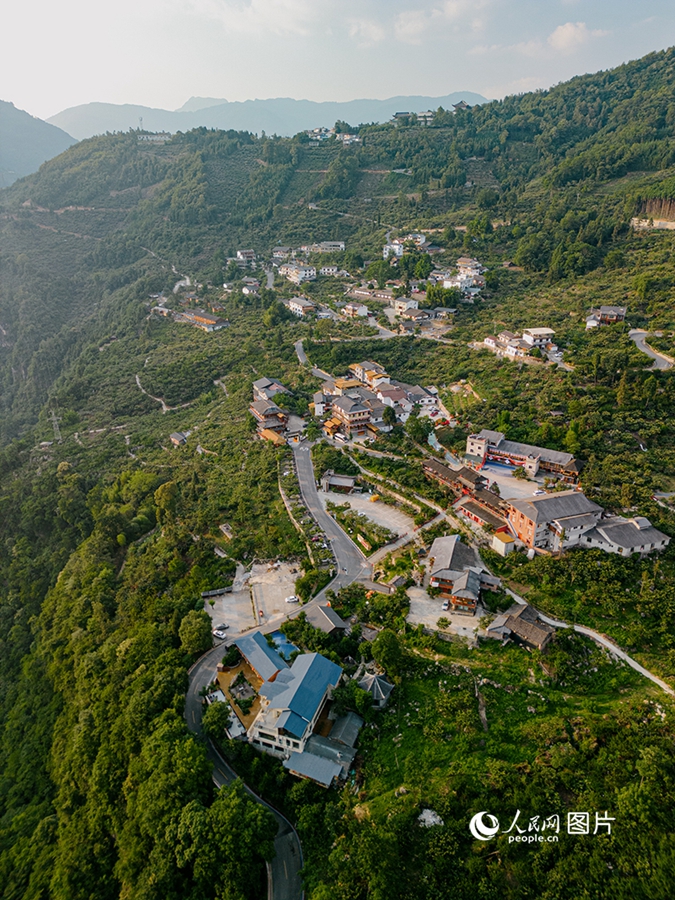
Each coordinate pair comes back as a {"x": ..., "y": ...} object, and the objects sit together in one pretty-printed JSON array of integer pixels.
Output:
[
  {"x": 292, "y": 723},
  {"x": 311, "y": 675},
  {"x": 260, "y": 655}
]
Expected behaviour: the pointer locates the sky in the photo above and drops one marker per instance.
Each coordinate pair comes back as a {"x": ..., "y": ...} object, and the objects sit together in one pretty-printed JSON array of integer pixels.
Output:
[{"x": 161, "y": 52}]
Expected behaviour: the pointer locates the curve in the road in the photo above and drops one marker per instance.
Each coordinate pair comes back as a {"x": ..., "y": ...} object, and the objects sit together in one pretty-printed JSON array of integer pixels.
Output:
[
  {"x": 285, "y": 882},
  {"x": 351, "y": 564},
  {"x": 603, "y": 641},
  {"x": 639, "y": 338}
]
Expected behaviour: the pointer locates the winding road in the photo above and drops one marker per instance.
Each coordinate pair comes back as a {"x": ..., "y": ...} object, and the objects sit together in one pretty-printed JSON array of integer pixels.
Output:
[
  {"x": 639, "y": 338},
  {"x": 350, "y": 562},
  {"x": 284, "y": 880}
]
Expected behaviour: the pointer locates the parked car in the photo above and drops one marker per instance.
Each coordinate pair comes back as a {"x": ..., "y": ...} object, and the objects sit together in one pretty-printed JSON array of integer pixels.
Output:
[
  {"x": 446, "y": 606},
  {"x": 220, "y": 631},
  {"x": 539, "y": 493},
  {"x": 293, "y": 599}
]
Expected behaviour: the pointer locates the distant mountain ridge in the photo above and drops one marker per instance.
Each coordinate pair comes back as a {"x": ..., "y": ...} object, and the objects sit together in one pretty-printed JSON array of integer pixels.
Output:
[
  {"x": 283, "y": 116},
  {"x": 26, "y": 142}
]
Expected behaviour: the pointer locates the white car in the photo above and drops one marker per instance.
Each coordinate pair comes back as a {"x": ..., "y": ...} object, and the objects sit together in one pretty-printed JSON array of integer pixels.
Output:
[
  {"x": 539, "y": 493},
  {"x": 292, "y": 599},
  {"x": 220, "y": 631},
  {"x": 445, "y": 606}
]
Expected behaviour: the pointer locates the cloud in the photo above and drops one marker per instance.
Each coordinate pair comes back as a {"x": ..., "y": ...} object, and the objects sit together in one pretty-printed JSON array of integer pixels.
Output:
[
  {"x": 365, "y": 32},
  {"x": 281, "y": 17},
  {"x": 569, "y": 37},
  {"x": 412, "y": 25}
]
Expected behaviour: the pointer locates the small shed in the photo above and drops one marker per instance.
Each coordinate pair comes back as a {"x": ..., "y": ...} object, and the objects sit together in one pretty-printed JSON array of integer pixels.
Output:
[{"x": 503, "y": 543}]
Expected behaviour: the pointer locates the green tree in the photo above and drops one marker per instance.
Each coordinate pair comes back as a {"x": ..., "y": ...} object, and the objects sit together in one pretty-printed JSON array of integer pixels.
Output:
[
  {"x": 195, "y": 632},
  {"x": 388, "y": 653},
  {"x": 389, "y": 416}
]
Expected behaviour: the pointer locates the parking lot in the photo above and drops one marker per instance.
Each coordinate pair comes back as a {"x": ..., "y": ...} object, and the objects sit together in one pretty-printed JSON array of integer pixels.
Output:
[
  {"x": 235, "y": 609},
  {"x": 270, "y": 585},
  {"x": 264, "y": 588},
  {"x": 381, "y": 513}
]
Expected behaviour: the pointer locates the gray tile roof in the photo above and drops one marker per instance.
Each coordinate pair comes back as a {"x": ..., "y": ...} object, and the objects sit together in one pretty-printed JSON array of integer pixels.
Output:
[
  {"x": 554, "y": 456},
  {"x": 449, "y": 553},
  {"x": 346, "y": 729},
  {"x": 556, "y": 506},
  {"x": 625, "y": 534},
  {"x": 308, "y": 765},
  {"x": 325, "y": 618},
  {"x": 377, "y": 686}
]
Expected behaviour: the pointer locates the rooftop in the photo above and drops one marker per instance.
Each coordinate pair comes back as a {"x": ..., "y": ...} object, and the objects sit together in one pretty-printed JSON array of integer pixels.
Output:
[
  {"x": 261, "y": 657},
  {"x": 556, "y": 506}
]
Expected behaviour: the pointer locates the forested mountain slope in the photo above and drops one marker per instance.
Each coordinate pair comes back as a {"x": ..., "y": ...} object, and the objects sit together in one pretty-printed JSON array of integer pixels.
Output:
[
  {"x": 282, "y": 115},
  {"x": 26, "y": 142},
  {"x": 107, "y": 535}
]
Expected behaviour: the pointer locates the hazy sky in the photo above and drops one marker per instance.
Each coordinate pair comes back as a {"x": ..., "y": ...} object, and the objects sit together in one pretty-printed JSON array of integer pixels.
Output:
[{"x": 161, "y": 52}]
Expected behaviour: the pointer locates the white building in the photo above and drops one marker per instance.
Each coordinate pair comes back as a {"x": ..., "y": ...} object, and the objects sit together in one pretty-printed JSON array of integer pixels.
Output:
[
  {"x": 301, "y": 306},
  {"x": 402, "y": 304},
  {"x": 298, "y": 273},
  {"x": 392, "y": 249},
  {"x": 538, "y": 337},
  {"x": 355, "y": 310},
  {"x": 329, "y": 270}
]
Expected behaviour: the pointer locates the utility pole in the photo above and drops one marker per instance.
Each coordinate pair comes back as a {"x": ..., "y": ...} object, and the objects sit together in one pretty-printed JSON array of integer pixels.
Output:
[{"x": 55, "y": 426}]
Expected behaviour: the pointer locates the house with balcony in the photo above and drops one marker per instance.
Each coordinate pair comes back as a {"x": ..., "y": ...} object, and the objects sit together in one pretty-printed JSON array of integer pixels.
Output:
[
  {"x": 352, "y": 414},
  {"x": 301, "y": 306},
  {"x": 492, "y": 446},
  {"x": 454, "y": 569},
  {"x": 355, "y": 310},
  {"x": 605, "y": 315},
  {"x": 268, "y": 415}
]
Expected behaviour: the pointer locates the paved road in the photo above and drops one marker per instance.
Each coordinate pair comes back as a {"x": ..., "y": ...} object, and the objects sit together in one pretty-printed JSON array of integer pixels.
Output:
[
  {"x": 302, "y": 356},
  {"x": 284, "y": 869},
  {"x": 270, "y": 279},
  {"x": 639, "y": 338},
  {"x": 351, "y": 563},
  {"x": 603, "y": 641}
]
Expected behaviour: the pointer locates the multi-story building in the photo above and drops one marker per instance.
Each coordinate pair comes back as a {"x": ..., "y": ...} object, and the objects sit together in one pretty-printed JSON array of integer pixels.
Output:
[
  {"x": 370, "y": 373},
  {"x": 605, "y": 315},
  {"x": 392, "y": 250},
  {"x": 352, "y": 414},
  {"x": 402, "y": 304},
  {"x": 492, "y": 446},
  {"x": 454, "y": 570},
  {"x": 281, "y": 252},
  {"x": 355, "y": 310},
  {"x": 301, "y": 306},
  {"x": 296, "y": 273},
  {"x": 268, "y": 415},
  {"x": 540, "y": 338}
]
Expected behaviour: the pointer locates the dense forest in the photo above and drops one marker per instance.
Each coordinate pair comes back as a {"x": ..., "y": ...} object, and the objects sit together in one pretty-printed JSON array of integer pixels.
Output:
[{"x": 107, "y": 532}]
